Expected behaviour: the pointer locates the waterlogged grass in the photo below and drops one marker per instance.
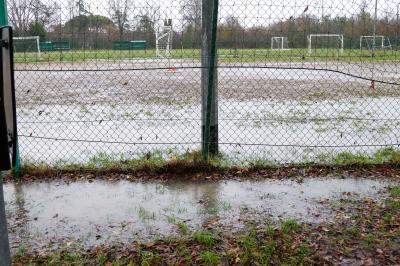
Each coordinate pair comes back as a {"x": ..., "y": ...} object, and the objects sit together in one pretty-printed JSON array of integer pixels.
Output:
[
  {"x": 152, "y": 162},
  {"x": 225, "y": 55},
  {"x": 170, "y": 162},
  {"x": 183, "y": 228},
  {"x": 245, "y": 248},
  {"x": 381, "y": 156}
]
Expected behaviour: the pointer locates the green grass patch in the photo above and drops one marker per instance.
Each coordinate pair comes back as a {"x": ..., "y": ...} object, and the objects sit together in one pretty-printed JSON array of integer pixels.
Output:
[
  {"x": 269, "y": 230},
  {"x": 152, "y": 162},
  {"x": 393, "y": 204},
  {"x": 290, "y": 226},
  {"x": 385, "y": 155},
  {"x": 183, "y": 228},
  {"x": 205, "y": 238},
  {"x": 209, "y": 258},
  {"x": 394, "y": 191},
  {"x": 224, "y": 55},
  {"x": 249, "y": 242}
]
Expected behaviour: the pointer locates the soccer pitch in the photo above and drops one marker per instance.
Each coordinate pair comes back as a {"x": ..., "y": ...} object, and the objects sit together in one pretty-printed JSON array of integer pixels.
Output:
[{"x": 289, "y": 112}]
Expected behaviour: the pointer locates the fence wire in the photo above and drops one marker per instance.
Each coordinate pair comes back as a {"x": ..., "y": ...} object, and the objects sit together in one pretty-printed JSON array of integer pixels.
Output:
[{"x": 298, "y": 81}]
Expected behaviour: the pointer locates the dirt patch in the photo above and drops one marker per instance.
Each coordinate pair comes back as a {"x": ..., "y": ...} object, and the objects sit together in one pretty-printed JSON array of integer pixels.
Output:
[{"x": 147, "y": 83}]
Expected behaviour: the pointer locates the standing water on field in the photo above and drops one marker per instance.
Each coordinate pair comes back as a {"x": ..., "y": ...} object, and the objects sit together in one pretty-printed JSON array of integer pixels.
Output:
[{"x": 44, "y": 214}]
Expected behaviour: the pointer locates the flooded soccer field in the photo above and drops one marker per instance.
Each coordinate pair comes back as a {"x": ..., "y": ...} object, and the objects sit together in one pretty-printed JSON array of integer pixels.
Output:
[{"x": 280, "y": 112}]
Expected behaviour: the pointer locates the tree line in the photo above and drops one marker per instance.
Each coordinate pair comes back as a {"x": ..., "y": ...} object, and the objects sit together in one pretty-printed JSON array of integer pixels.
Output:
[{"x": 85, "y": 29}]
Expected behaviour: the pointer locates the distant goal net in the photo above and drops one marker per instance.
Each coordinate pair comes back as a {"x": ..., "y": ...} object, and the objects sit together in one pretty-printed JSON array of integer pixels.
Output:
[
  {"x": 164, "y": 40},
  {"x": 325, "y": 41},
  {"x": 280, "y": 43},
  {"x": 375, "y": 42},
  {"x": 28, "y": 44}
]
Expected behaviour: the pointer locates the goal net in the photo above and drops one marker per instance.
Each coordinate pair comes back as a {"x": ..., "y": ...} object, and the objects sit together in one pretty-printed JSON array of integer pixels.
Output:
[
  {"x": 375, "y": 42},
  {"x": 164, "y": 40},
  {"x": 28, "y": 44},
  {"x": 325, "y": 41},
  {"x": 279, "y": 43}
]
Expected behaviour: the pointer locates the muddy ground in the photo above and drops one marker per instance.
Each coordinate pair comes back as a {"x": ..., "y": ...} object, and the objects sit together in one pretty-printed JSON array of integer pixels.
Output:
[{"x": 178, "y": 82}]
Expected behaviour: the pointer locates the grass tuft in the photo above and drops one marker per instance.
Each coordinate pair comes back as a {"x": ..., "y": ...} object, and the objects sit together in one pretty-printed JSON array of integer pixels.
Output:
[
  {"x": 183, "y": 228},
  {"x": 205, "y": 238},
  {"x": 290, "y": 226},
  {"x": 394, "y": 191},
  {"x": 210, "y": 258}
]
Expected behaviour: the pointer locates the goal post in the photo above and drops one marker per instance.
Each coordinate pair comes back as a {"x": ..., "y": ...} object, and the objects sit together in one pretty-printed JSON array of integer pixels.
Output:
[
  {"x": 279, "y": 43},
  {"x": 27, "y": 44},
  {"x": 338, "y": 44},
  {"x": 371, "y": 42},
  {"x": 164, "y": 40}
]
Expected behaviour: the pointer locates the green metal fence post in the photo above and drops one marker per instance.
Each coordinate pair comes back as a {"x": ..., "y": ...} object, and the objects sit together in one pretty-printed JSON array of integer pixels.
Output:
[
  {"x": 209, "y": 78},
  {"x": 4, "y": 22},
  {"x": 5, "y": 259},
  {"x": 3, "y": 13}
]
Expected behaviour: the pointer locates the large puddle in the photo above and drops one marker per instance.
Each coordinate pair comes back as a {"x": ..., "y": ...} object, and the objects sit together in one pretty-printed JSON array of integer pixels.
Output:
[
  {"x": 47, "y": 213},
  {"x": 277, "y": 131}
]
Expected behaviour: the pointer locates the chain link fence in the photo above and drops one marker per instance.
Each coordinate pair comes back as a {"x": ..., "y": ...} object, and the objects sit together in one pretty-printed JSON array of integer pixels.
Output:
[{"x": 298, "y": 81}]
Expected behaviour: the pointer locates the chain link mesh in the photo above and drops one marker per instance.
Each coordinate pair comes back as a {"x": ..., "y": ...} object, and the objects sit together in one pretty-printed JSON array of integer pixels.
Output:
[{"x": 106, "y": 82}]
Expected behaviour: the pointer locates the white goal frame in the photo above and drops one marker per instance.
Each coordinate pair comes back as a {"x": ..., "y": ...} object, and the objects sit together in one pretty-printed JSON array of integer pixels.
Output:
[
  {"x": 310, "y": 37},
  {"x": 37, "y": 38},
  {"x": 382, "y": 43},
  {"x": 281, "y": 48},
  {"x": 164, "y": 40}
]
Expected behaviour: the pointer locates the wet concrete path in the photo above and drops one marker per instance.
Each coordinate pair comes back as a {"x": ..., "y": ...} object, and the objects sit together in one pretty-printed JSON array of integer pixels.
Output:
[{"x": 45, "y": 214}]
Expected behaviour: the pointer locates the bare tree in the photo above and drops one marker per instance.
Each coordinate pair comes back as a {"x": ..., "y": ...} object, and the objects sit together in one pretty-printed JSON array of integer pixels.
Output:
[
  {"x": 147, "y": 25},
  {"x": 118, "y": 10},
  {"x": 191, "y": 11},
  {"x": 22, "y": 13}
]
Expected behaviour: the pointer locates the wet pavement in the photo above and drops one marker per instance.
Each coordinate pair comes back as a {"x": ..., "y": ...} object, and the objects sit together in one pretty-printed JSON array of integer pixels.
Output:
[{"x": 44, "y": 214}]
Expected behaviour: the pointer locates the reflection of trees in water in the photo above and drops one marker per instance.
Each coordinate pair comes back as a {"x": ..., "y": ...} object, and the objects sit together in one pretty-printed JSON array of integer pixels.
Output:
[
  {"x": 206, "y": 194},
  {"x": 20, "y": 228},
  {"x": 4, "y": 249}
]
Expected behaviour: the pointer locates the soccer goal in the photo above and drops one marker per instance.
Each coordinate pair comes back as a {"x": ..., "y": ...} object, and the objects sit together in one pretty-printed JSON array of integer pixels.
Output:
[
  {"x": 164, "y": 40},
  {"x": 375, "y": 42},
  {"x": 28, "y": 44},
  {"x": 325, "y": 41},
  {"x": 279, "y": 43}
]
